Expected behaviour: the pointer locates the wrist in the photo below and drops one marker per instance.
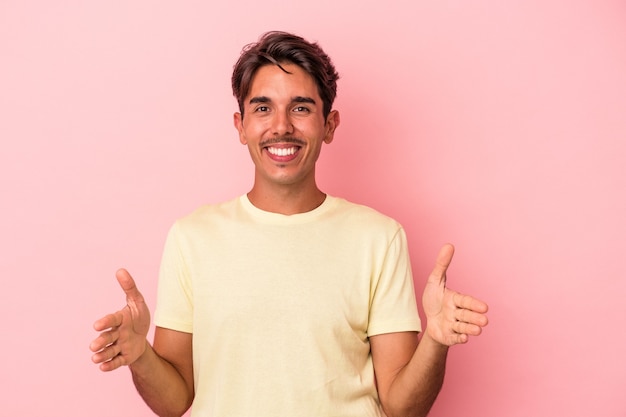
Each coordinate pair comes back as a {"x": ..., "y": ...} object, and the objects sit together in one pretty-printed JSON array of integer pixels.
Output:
[
  {"x": 432, "y": 342},
  {"x": 142, "y": 358}
]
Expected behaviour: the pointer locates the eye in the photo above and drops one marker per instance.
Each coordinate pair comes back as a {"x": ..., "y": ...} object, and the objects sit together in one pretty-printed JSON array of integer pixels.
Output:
[
  {"x": 262, "y": 109},
  {"x": 301, "y": 109}
]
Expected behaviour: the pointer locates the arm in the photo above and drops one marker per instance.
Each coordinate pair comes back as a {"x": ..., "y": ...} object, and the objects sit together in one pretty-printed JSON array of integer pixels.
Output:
[
  {"x": 410, "y": 374},
  {"x": 163, "y": 374}
]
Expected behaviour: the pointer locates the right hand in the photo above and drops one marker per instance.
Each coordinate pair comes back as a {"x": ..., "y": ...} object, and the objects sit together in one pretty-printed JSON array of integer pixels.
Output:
[
  {"x": 451, "y": 317},
  {"x": 123, "y": 334}
]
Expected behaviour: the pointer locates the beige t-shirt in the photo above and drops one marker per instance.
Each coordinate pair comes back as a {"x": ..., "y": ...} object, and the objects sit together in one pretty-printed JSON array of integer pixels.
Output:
[{"x": 281, "y": 307}]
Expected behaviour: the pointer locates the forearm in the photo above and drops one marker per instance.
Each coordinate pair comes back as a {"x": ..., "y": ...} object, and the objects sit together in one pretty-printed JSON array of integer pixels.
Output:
[
  {"x": 415, "y": 388},
  {"x": 160, "y": 384}
]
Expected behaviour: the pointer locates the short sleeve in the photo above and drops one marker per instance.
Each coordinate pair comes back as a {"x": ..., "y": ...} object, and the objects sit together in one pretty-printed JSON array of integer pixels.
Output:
[
  {"x": 393, "y": 307},
  {"x": 174, "y": 308}
]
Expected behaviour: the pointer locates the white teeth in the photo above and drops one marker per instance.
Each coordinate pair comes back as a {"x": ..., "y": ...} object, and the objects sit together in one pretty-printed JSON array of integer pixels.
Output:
[{"x": 282, "y": 151}]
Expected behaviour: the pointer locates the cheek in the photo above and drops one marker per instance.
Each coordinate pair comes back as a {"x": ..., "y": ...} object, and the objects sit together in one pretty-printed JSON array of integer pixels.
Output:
[
  {"x": 254, "y": 129},
  {"x": 247, "y": 133}
]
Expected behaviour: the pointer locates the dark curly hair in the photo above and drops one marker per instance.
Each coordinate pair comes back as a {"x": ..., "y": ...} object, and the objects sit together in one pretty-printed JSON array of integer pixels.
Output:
[{"x": 280, "y": 47}]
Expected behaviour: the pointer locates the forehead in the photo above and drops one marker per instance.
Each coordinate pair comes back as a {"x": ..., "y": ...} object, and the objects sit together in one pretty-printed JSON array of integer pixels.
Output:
[{"x": 271, "y": 81}]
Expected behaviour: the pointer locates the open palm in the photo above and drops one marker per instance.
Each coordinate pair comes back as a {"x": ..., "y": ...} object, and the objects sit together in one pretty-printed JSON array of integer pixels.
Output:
[
  {"x": 451, "y": 316},
  {"x": 123, "y": 337}
]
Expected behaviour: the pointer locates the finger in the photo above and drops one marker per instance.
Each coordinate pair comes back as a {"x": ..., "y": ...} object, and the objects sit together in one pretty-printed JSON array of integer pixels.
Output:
[
  {"x": 128, "y": 285},
  {"x": 108, "y": 322},
  {"x": 467, "y": 329},
  {"x": 438, "y": 275},
  {"x": 112, "y": 364},
  {"x": 471, "y": 317},
  {"x": 106, "y": 354},
  {"x": 456, "y": 339},
  {"x": 470, "y": 303},
  {"x": 103, "y": 340}
]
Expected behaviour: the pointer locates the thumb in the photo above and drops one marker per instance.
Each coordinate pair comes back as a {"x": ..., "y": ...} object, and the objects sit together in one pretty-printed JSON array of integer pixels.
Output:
[
  {"x": 128, "y": 285},
  {"x": 438, "y": 275}
]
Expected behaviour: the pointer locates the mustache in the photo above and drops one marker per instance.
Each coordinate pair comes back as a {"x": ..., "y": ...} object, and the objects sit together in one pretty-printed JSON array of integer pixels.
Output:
[{"x": 283, "y": 139}]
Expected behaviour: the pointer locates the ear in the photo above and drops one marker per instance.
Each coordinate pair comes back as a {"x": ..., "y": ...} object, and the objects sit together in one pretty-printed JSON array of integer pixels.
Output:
[
  {"x": 332, "y": 121},
  {"x": 238, "y": 122}
]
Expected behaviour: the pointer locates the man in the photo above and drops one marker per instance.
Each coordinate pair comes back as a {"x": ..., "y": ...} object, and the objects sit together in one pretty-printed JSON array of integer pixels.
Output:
[{"x": 287, "y": 301}]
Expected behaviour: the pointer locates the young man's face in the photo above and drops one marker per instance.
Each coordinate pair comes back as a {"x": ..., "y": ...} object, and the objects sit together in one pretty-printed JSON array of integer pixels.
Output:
[{"x": 284, "y": 126}]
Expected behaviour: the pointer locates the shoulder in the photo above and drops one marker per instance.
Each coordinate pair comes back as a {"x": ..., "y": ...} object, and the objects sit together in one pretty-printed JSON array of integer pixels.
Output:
[
  {"x": 363, "y": 215},
  {"x": 209, "y": 212},
  {"x": 206, "y": 218}
]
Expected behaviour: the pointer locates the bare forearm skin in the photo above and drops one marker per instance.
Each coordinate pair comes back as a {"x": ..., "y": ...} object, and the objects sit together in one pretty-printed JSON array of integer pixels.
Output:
[
  {"x": 160, "y": 385},
  {"x": 415, "y": 388}
]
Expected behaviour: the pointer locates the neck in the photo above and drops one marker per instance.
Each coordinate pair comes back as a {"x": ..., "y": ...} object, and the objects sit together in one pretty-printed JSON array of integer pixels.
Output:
[{"x": 286, "y": 201}]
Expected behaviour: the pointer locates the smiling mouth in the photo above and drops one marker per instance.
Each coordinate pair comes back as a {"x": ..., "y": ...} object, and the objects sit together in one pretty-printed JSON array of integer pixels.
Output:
[{"x": 282, "y": 151}]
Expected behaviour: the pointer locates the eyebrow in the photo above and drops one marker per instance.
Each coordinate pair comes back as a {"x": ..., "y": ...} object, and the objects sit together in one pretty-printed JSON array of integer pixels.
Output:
[
  {"x": 296, "y": 99},
  {"x": 260, "y": 99},
  {"x": 300, "y": 99}
]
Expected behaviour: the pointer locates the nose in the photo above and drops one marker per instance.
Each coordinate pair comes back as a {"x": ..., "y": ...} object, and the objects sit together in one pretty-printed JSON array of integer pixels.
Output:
[{"x": 281, "y": 123}]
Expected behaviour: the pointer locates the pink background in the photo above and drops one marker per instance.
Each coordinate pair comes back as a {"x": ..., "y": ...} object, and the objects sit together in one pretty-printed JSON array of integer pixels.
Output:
[{"x": 498, "y": 126}]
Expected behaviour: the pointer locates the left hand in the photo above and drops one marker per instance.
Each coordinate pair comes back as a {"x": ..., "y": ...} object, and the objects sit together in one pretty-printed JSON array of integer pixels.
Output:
[{"x": 451, "y": 317}]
